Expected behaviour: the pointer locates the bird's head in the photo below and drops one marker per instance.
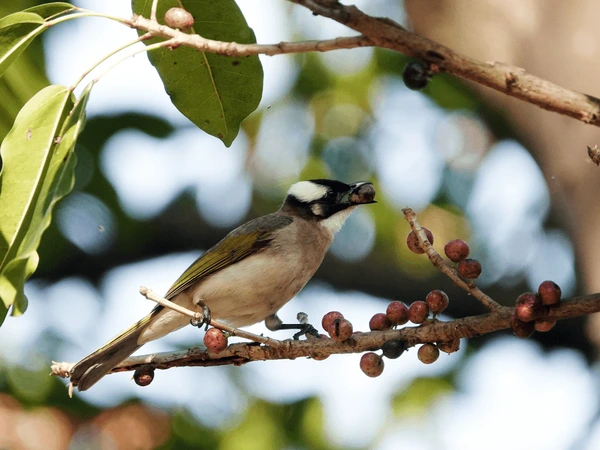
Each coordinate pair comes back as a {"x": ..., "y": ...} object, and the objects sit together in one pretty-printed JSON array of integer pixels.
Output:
[{"x": 329, "y": 202}]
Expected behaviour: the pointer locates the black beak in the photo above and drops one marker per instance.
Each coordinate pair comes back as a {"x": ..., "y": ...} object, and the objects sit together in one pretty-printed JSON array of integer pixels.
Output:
[{"x": 361, "y": 193}]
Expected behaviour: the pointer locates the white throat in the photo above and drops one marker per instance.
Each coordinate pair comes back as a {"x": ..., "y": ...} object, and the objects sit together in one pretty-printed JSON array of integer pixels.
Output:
[
  {"x": 333, "y": 223},
  {"x": 306, "y": 191}
]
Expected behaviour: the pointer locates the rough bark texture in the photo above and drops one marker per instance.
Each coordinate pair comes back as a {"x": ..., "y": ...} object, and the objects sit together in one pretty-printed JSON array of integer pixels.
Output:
[{"x": 554, "y": 40}]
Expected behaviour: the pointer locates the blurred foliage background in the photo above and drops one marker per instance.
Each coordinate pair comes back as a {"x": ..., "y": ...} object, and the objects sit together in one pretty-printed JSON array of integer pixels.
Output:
[{"x": 151, "y": 192}]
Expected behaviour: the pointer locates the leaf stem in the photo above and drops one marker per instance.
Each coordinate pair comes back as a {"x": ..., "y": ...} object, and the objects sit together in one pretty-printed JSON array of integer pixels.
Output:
[
  {"x": 147, "y": 48},
  {"x": 86, "y": 13},
  {"x": 114, "y": 52}
]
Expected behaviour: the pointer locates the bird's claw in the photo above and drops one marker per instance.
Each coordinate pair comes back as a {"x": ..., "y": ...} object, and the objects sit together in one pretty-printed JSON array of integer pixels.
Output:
[
  {"x": 202, "y": 318},
  {"x": 306, "y": 328}
]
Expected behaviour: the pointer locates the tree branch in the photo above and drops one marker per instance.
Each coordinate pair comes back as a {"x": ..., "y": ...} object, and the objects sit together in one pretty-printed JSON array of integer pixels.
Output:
[
  {"x": 439, "y": 262},
  {"x": 234, "y": 49},
  {"x": 510, "y": 80},
  {"x": 242, "y": 353}
]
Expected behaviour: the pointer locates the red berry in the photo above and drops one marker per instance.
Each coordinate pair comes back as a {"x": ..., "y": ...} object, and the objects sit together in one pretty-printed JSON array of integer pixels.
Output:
[
  {"x": 379, "y": 322},
  {"x": 144, "y": 375},
  {"x": 329, "y": 318},
  {"x": 437, "y": 301},
  {"x": 529, "y": 307},
  {"x": 340, "y": 330},
  {"x": 319, "y": 357},
  {"x": 449, "y": 346},
  {"x": 521, "y": 329},
  {"x": 418, "y": 312},
  {"x": 371, "y": 364},
  {"x": 215, "y": 340},
  {"x": 549, "y": 293},
  {"x": 428, "y": 353},
  {"x": 413, "y": 242},
  {"x": 544, "y": 325},
  {"x": 469, "y": 268},
  {"x": 179, "y": 18},
  {"x": 397, "y": 313},
  {"x": 456, "y": 250}
]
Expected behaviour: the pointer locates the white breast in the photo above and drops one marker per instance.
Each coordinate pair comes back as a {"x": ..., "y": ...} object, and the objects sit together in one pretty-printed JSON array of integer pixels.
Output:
[{"x": 256, "y": 287}]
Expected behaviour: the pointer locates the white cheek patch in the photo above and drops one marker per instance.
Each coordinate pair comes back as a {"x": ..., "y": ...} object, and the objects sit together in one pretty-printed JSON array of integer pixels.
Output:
[
  {"x": 307, "y": 192},
  {"x": 334, "y": 223}
]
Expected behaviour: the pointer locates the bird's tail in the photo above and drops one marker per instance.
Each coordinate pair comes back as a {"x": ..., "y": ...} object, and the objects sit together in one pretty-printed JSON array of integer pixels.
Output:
[{"x": 93, "y": 367}]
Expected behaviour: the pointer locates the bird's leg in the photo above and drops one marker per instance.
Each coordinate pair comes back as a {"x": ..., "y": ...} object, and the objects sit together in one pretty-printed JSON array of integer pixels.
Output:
[
  {"x": 203, "y": 317},
  {"x": 274, "y": 323}
]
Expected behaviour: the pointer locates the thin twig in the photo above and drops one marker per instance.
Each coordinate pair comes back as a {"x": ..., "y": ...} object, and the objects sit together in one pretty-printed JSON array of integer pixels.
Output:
[
  {"x": 109, "y": 55},
  {"x": 151, "y": 295},
  {"x": 385, "y": 33},
  {"x": 235, "y": 49},
  {"x": 439, "y": 262},
  {"x": 242, "y": 353},
  {"x": 134, "y": 52},
  {"x": 510, "y": 80}
]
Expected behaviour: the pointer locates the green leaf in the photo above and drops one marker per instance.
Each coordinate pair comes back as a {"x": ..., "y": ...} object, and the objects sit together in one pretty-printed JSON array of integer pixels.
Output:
[
  {"x": 51, "y": 9},
  {"x": 215, "y": 92},
  {"x": 16, "y": 33},
  {"x": 38, "y": 170}
]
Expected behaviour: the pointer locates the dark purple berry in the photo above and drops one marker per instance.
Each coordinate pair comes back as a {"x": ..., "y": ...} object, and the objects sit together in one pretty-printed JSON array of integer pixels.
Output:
[
  {"x": 415, "y": 75},
  {"x": 393, "y": 349},
  {"x": 144, "y": 375}
]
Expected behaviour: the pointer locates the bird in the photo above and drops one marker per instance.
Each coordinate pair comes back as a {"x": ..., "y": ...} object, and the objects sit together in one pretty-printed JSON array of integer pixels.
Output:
[{"x": 247, "y": 276}]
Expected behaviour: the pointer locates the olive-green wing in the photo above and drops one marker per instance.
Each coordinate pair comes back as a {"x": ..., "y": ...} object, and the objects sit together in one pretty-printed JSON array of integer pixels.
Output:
[{"x": 244, "y": 241}]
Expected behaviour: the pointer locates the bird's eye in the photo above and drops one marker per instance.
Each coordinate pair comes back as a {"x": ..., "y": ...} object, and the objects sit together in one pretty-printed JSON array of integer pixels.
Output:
[{"x": 331, "y": 195}]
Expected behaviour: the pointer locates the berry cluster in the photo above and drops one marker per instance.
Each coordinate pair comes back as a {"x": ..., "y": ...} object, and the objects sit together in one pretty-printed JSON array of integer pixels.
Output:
[
  {"x": 456, "y": 250},
  {"x": 397, "y": 313},
  {"x": 531, "y": 307}
]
